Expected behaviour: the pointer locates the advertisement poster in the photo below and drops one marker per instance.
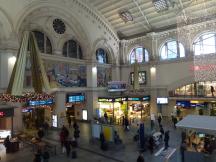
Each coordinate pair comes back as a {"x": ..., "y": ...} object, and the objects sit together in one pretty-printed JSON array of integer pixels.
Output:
[{"x": 104, "y": 75}]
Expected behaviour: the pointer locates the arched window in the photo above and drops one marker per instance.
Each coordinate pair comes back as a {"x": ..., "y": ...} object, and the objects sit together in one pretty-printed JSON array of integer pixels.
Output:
[
  {"x": 101, "y": 56},
  {"x": 43, "y": 42},
  {"x": 205, "y": 44},
  {"x": 72, "y": 49},
  {"x": 172, "y": 50},
  {"x": 140, "y": 54}
]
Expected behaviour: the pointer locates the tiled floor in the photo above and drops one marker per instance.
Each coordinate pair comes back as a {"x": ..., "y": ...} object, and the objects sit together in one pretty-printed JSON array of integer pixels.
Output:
[{"x": 88, "y": 152}]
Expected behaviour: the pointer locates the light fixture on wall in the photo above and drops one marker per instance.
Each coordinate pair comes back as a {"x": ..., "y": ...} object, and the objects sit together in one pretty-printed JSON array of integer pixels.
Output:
[
  {"x": 11, "y": 61},
  {"x": 94, "y": 69},
  {"x": 153, "y": 70}
]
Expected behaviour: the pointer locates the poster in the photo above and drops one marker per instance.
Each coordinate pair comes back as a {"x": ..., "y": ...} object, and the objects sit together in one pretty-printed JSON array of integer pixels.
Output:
[{"x": 104, "y": 75}]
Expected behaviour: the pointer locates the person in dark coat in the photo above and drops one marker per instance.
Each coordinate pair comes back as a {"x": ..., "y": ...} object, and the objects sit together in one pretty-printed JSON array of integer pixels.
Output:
[
  {"x": 37, "y": 157},
  {"x": 76, "y": 133},
  {"x": 161, "y": 131},
  {"x": 175, "y": 122},
  {"x": 46, "y": 156},
  {"x": 140, "y": 158},
  {"x": 126, "y": 124},
  {"x": 75, "y": 125},
  {"x": 151, "y": 144},
  {"x": 102, "y": 141},
  {"x": 166, "y": 139},
  {"x": 159, "y": 119},
  {"x": 40, "y": 133},
  {"x": 67, "y": 147},
  {"x": 69, "y": 121},
  {"x": 182, "y": 150}
]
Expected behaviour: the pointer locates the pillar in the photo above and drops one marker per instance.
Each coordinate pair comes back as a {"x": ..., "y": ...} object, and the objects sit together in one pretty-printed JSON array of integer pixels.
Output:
[{"x": 60, "y": 99}]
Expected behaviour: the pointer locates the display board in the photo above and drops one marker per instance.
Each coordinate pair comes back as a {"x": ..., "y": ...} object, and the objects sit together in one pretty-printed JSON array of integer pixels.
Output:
[
  {"x": 41, "y": 102},
  {"x": 162, "y": 100},
  {"x": 6, "y": 112},
  {"x": 79, "y": 98},
  {"x": 108, "y": 132},
  {"x": 96, "y": 130}
]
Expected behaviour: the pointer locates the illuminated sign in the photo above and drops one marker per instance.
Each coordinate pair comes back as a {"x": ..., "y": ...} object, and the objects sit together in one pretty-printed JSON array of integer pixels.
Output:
[
  {"x": 146, "y": 98},
  {"x": 106, "y": 99},
  {"x": 79, "y": 98},
  {"x": 134, "y": 99},
  {"x": 2, "y": 114},
  {"x": 41, "y": 102},
  {"x": 202, "y": 67}
]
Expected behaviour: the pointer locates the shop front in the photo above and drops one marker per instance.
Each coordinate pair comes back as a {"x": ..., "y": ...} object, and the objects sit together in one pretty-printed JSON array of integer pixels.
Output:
[
  {"x": 138, "y": 108},
  {"x": 6, "y": 121},
  {"x": 117, "y": 108},
  {"x": 193, "y": 107},
  {"x": 75, "y": 107},
  {"x": 36, "y": 113}
]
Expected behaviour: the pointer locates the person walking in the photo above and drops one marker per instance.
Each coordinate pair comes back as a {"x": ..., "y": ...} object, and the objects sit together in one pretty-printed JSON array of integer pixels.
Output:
[
  {"x": 140, "y": 158},
  {"x": 46, "y": 156},
  {"x": 175, "y": 122},
  {"x": 126, "y": 124},
  {"x": 67, "y": 147},
  {"x": 212, "y": 91},
  {"x": 182, "y": 150},
  {"x": 161, "y": 131},
  {"x": 151, "y": 144},
  {"x": 152, "y": 121},
  {"x": 166, "y": 139},
  {"x": 76, "y": 133},
  {"x": 37, "y": 157},
  {"x": 106, "y": 117},
  {"x": 159, "y": 119},
  {"x": 69, "y": 121}
]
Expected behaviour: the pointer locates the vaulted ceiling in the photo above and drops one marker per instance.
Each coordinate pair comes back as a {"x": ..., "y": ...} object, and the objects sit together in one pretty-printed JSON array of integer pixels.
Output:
[{"x": 145, "y": 17}]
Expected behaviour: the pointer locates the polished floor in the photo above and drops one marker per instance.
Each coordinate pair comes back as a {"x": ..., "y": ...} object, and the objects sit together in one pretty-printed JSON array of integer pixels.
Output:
[{"x": 91, "y": 152}]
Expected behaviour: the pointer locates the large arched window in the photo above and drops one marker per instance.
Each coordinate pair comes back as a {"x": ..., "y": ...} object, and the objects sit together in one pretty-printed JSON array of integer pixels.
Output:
[
  {"x": 140, "y": 54},
  {"x": 172, "y": 50},
  {"x": 43, "y": 42},
  {"x": 101, "y": 56},
  {"x": 72, "y": 49},
  {"x": 205, "y": 44}
]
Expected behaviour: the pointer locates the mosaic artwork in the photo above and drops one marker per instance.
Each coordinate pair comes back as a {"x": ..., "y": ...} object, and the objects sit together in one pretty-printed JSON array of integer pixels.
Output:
[
  {"x": 104, "y": 75},
  {"x": 66, "y": 75}
]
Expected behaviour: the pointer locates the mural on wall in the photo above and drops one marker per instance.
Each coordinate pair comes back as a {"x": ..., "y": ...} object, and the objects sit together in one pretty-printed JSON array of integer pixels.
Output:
[
  {"x": 66, "y": 75},
  {"x": 104, "y": 75}
]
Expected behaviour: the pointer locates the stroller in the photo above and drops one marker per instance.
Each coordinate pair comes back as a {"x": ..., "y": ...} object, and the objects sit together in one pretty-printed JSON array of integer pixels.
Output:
[{"x": 157, "y": 136}]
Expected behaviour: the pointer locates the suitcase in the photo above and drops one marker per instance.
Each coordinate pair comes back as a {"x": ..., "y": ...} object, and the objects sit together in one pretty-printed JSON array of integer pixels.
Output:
[{"x": 74, "y": 154}]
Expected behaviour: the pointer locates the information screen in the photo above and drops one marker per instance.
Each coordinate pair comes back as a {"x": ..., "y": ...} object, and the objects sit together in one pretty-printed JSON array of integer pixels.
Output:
[
  {"x": 41, "y": 102},
  {"x": 79, "y": 98},
  {"x": 162, "y": 100}
]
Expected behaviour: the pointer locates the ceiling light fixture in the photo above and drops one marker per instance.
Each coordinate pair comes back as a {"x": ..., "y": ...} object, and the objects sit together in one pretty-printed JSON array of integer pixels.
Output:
[
  {"x": 160, "y": 5},
  {"x": 126, "y": 16}
]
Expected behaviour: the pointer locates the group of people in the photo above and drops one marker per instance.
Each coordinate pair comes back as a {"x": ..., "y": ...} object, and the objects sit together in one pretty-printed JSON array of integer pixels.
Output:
[{"x": 66, "y": 142}]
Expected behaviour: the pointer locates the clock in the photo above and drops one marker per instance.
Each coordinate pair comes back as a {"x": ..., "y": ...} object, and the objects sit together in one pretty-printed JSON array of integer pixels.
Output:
[{"x": 59, "y": 26}]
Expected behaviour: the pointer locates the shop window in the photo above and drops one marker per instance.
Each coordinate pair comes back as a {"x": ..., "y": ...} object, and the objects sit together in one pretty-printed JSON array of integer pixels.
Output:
[
  {"x": 72, "y": 49},
  {"x": 205, "y": 44},
  {"x": 140, "y": 54},
  {"x": 172, "y": 50},
  {"x": 142, "y": 78},
  {"x": 101, "y": 56},
  {"x": 43, "y": 42}
]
